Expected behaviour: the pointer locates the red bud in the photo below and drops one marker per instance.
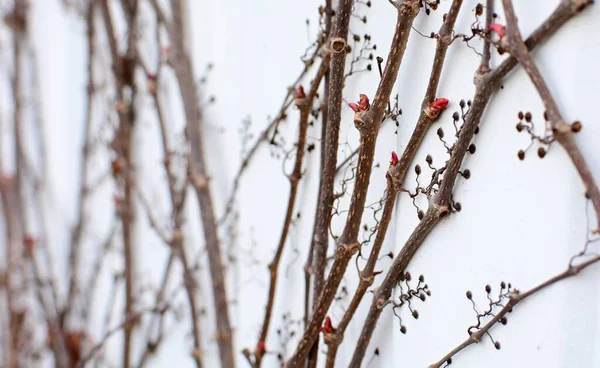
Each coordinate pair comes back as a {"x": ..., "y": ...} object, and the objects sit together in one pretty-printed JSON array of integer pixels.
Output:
[
  {"x": 394, "y": 159},
  {"x": 300, "y": 93},
  {"x": 499, "y": 29},
  {"x": 261, "y": 346},
  {"x": 354, "y": 106},
  {"x": 363, "y": 102},
  {"x": 440, "y": 104}
]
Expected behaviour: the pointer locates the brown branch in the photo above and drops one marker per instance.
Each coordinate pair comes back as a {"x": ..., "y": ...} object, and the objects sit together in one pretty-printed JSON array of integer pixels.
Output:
[
  {"x": 182, "y": 66},
  {"x": 367, "y": 122},
  {"x": 396, "y": 175},
  {"x": 84, "y": 193},
  {"x": 515, "y": 297},
  {"x": 562, "y": 131},
  {"x": 308, "y": 269},
  {"x": 305, "y": 104},
  {"x": 486, "y": 83},
  {"x": 129, "y": 320},
  {"x": 123, "y": 145}
]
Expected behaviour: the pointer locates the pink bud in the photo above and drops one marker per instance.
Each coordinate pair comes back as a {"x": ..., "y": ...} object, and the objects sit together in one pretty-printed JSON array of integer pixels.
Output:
[
  {"x": 499, "y": 29},
  {"x": 261, "y": 346},
  {"x": 394, "y": 159},
  {"x": 363, "y": 102},
  {"x": 440, "y": 104},
  {"x": 354, "y": 106}
]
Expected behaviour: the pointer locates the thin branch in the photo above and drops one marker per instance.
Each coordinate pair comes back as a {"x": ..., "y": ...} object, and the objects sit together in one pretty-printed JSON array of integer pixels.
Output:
[
  {"x": 308, "y": 267},
  {"x": 182, "y": 66},
  {"x": 305, "y": 104},
  {"x": 486, "y": 83},
  {"x": 367, "y": 122},
  {"x": 515, "y": 297},
  {"x": 562, "y": 131}
]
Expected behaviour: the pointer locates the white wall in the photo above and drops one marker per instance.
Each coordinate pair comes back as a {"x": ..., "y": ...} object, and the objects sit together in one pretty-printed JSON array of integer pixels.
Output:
[{"x": 520, "y": 221}]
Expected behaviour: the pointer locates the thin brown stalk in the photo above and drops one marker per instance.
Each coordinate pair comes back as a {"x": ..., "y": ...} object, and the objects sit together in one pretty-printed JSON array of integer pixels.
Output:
[
  {"x": 367, "y": 122},
  {"x": 305, "y": 104},
  {"x": 313, "y": 354},
  {"x": 396, "y": 176},
  {"x": 440, "y": 205},
  {"x": 515, "y": 297},
  {"x": 182, "y": 66},
  {"x": 84, "y": 173},
  {"x": 123, "y": 145},
  {"x": 562, "y": 131}
]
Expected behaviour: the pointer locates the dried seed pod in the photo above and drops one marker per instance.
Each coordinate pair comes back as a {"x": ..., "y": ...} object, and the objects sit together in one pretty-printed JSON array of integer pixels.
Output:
[
  {"x": 519, "y": 127},
  {"x": 541, "y": 152}
]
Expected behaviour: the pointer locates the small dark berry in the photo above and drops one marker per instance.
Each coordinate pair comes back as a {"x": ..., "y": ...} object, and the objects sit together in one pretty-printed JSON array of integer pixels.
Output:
[
  {"x": 541, "y": 152},
  {"x": 488, "y": 289},
  {"x": 403, "y": 329},
  {"x": 546, "y": 115},
  {"x": 429, "y": 159},
  {"x": 477, "y": 130},
  {"x": 503, "y": 320},
  {"x": 576, "y": 127},
  {"x": 457, "y": 206},
  {"x": 421, "y": 214},
  {"x": 432, "y": 35},
  {"x": 472, "y": 148},
  {"x": 497, "y": 345},
  {"x": 469, "y": 295},
  {"x": 521, "y": 155},
  {"x": 528, "y": 117},
  {"x": 479, "y": 9},
  {"x": 455, "y": 116},
  {"x": 415, "y": 314},
  {"x": 502, "y": 285},
  {"x": 408, "y": 276},
  {"x": 466, "y": 174},
  {"x": 356, "y": 38},
  {"x": 462, "y": 104},
  {"x": 418, "y": 169},
  {"x": 520, "y": 115},
  {"x": 440, "y": 132},
  {"x": 519, "y": 127},
  {"x": 421, "y": 278},
  {"x": 422, "y": 297}
]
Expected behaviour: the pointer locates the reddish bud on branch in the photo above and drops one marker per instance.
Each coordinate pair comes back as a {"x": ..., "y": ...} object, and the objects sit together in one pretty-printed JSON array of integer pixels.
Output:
[
  {"x": 436, "y": 107},
  {"x": 362, "y": 105},
  {"x": 498, "y": 29},
  {"x": 394, "y": 161}
]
